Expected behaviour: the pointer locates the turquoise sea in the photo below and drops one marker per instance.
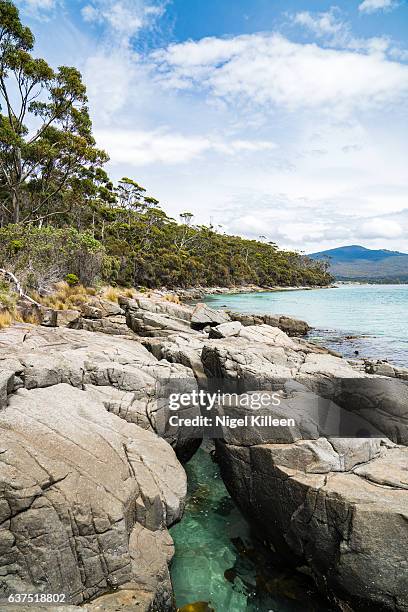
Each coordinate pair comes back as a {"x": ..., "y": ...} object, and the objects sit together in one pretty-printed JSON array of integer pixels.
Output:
[
  {"x": 371, "y": 320},
  {"x": 219, "y": 562}
]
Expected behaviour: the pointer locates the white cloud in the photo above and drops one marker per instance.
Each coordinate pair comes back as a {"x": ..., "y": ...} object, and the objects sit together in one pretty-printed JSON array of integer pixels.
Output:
[
  {"x": 37, "y": 8},
  {"x": 223, "y": 103},
  {"x": 40, "y": 4},
  {"x": 381, "y": 228},
  {"x": 371, "y": 6},
  {"x": 269, "y": 70},
  {"x": 321, "y": 24},
  {"x": 124, "y": 17},
  {"x": 109, "y": 77},
  {"x": 140, "y": 148}
]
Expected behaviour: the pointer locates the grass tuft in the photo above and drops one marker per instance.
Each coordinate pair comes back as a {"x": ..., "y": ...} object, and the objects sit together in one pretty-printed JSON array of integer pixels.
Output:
[{"x": 6, "y": 319}]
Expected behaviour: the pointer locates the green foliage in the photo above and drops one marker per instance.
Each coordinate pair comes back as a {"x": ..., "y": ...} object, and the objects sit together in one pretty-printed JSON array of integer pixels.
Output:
[
  {"x": 72, "y": 280},
  {"x": 49, "y": 254},
  {"x": 8, "y": 298},
  {"x": 42, "y": 169},
  {"x": 150, "y": 249}
]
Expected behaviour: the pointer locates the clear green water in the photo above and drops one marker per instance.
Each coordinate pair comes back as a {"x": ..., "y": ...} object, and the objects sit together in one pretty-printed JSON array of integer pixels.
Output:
[
  {"x": 376, "y": 314},
  {"x": 217, "y": 560}
]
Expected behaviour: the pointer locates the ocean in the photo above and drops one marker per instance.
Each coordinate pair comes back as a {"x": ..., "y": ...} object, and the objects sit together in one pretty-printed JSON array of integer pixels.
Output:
[{"x": 365, "y": 321}]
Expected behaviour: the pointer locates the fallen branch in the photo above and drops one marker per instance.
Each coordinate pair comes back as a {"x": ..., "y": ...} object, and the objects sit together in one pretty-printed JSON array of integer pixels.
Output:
[{"x": 19, "y": 289}]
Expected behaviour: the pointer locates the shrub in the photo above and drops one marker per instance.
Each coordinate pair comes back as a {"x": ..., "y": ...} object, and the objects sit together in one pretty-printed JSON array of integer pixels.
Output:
[
  {"x": 47, "y": 255},
  {"x": 72, "y": 280}
]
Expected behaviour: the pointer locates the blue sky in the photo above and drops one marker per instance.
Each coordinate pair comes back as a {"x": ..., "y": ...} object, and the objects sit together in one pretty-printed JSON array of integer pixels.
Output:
[{"x": 284, "y": 119}]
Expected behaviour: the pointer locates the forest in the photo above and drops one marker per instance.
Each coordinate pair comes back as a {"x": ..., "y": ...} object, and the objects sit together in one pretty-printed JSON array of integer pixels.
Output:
[{"x": 63, "y": 218}]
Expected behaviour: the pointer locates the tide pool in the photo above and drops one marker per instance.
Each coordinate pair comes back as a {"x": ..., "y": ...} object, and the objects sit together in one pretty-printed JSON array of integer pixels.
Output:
[{"x": 219, "y": 562}]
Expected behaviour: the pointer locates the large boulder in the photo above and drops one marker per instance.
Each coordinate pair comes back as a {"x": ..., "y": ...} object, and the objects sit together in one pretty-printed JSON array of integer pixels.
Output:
[
  {"x": 289, "y": 325},
  {"x": 337, "y": 504},
  {"x": 178, "y": 311},
  {"x": 347, "y": 527},
  {"x": 113, "y": 325},
  {"x": 147, "y": 323},
  {"x": 203, "y": 315},
  {"x": 226, "y": 330},
  {"x": 86, "y": 499},
  {"x": 59, "y": 318},
  {"x": 45, "y": 357}
]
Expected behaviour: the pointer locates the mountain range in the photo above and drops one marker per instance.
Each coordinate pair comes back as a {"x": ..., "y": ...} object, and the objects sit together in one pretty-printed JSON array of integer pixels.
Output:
[{"x": 357, "y": 263}]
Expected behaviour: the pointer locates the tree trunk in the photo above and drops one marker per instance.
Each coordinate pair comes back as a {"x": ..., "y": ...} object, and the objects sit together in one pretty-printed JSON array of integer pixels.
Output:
[
  {"x": 15, "y": 206},
  {"x": 16, "y": 195}
]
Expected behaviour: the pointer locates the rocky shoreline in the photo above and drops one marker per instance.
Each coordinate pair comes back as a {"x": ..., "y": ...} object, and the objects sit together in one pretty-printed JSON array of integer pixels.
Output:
[
  {"x": 91, "y": 477},
  {"x": 198, "y": 293}
]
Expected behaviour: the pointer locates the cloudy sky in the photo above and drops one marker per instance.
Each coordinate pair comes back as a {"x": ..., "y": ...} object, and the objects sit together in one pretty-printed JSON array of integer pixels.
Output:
[{"x": 287, "y": 119}]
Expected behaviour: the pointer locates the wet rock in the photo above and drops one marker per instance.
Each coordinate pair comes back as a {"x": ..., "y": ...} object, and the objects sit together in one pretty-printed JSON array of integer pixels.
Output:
[{"x": 290, "y": 325}]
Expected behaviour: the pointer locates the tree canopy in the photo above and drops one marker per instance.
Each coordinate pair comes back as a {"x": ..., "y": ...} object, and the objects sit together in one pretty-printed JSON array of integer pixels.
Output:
[
  {"x": 47, "y": 151},
  {"x": 56, "y": 197}
]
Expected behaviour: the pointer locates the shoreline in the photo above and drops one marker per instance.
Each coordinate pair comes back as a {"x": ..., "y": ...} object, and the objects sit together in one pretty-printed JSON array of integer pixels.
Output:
[
  {"x": 196, "y": 293},
  {"x": 364, "y": 359}
]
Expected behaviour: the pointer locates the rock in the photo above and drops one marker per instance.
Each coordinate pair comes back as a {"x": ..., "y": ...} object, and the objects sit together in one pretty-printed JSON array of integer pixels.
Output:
[
  {"x": 113, "y": 325},
  {"x": 320, "y": 498},
  {"x": 401, "y": 373},
  {"x": 83, "y": 359},
  {"x": 6, "y": 386},
  {"x": 203, "y": 315},
  {"x": 382, "y": 402},
  {"x": 48, "y": 317},
  {"x": 225, "y": 330},
  {"x": 59, "y": 318},
  {"x": 248, "y": 319},
  {"x": 86, "y": 499},
  {"x": 380, "y": 368},
  {"x": 31, "y": 312},
  {"x": 107, "y": 308},
  {"x": 244, "y": 366},
  {"x": 91, "y": 312},
  {"x": 267, "y": 335},
  {"x": 312, "y": 508},
  {"x": 178, "y": 311},
  {"x": 289, "y": 325},
  {"x": 146, "y": 323},
  {"x": 383, "y": 368},
  {"x": 151, "y": 552},
  {"x": 292, "y": 327},
  {"x": 180, "y": 348}
]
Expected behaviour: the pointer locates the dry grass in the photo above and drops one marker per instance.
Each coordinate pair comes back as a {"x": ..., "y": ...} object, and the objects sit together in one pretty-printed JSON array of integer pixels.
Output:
[
  {"x": 112, "y": 294},
  {"x": 6, "y": 319},
  {"x": 172, "y": 297},
  {"x": 66, "y": 297},
  {"x": 33, "y": 319}
]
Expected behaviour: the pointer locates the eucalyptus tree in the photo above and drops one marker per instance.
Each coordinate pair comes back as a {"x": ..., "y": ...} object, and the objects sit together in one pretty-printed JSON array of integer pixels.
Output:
[{"x": 46, "y": 145}]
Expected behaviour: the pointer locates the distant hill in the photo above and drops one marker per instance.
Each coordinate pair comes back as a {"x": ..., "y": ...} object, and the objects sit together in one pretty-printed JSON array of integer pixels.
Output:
[{"x": 358, "y": 263}]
